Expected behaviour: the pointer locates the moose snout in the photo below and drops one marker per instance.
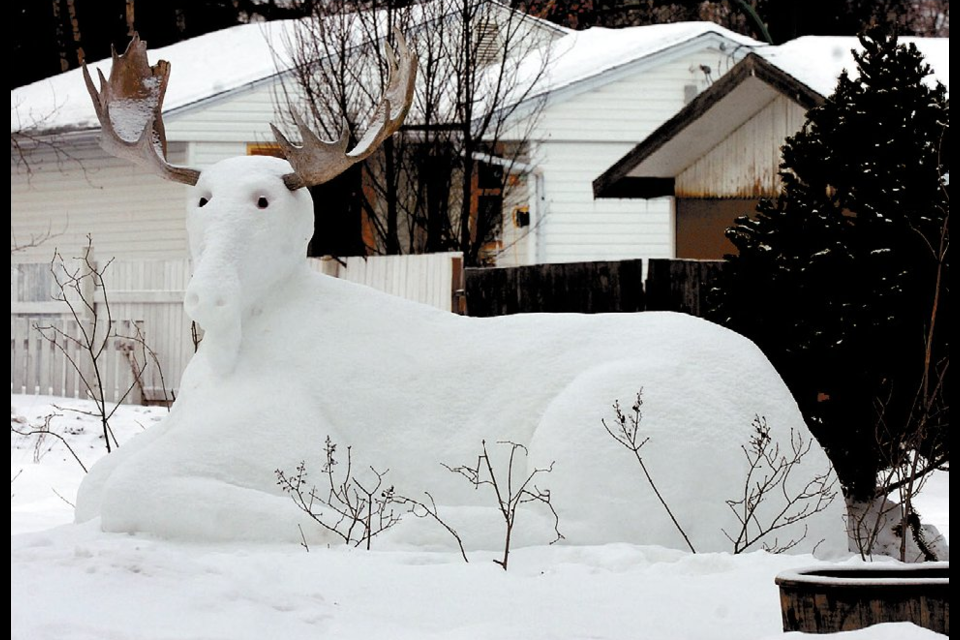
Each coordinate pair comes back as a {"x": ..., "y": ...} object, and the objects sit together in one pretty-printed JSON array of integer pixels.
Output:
[
  {"x": 195, "y": 300},
  {"x": 212, "y": 299}
]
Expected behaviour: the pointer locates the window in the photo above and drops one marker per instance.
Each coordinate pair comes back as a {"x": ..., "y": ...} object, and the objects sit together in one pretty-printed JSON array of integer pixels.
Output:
[{"x": 264, "y": 149}]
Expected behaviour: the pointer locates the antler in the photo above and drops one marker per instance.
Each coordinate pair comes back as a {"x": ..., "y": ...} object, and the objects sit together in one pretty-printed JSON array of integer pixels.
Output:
[
  {"x": 128, "y": 107},
  {"x": 318, "y": 160}
]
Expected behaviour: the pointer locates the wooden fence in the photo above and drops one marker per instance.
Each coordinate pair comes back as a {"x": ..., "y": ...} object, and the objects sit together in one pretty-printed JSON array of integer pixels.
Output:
[
  {"x": 681, "y": 285},
  {"x": 591, "y": 287},
  {"x": 578, "y": 287},
  {"x": 137, "y": 313},
  {"x": 146, "y": 308}
]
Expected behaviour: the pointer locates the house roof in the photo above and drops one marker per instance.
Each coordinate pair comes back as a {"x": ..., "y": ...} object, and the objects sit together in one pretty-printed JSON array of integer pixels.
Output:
[
  {"x": 204, "y": 68},
  {"x": 595, "y": 52},
  {"x": 217, "y": 63},
  {"x": 201, "y": 68},
  {"x": 805, "y": 70},
  {"x": 817, "y": 61},
  {"x": 582, "y": 60}
]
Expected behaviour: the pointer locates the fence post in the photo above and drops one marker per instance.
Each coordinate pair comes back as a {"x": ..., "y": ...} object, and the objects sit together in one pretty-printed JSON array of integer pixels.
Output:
[
  {"x": 681, "y": 285},
  {"x": 458, "y": 301},
  {"x": 329, "y": 266}
]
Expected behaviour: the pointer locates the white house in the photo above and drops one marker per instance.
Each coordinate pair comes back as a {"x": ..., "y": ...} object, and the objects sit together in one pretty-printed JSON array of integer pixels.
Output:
[
  {"x": 605, "y": 90},
  {"x": 718, "y": 155},
  {"x": 224, "y": 91}
]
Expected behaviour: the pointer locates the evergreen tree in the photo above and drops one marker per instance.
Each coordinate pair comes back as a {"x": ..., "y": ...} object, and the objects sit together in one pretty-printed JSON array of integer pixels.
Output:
[{"x": 843, "y": 279}]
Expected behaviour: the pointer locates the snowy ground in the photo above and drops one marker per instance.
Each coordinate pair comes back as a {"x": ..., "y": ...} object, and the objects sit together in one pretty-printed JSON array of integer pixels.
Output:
[{"x": 72, "y": 582}]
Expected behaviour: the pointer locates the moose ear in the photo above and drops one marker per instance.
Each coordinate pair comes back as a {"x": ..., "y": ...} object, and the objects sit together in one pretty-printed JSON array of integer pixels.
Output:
[{"x": 318, "y": 161}]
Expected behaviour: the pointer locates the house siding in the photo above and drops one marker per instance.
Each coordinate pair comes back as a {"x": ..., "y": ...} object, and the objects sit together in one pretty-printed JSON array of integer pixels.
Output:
[
  {"x": 205, "y": 154},
  {"x": 746, "y": 163},
  {"x": 515, "y": 240},
  {"x": 243, "y": 115},
  {"x": 128, "y": 211},
  {"x": 581, "y": 137}
]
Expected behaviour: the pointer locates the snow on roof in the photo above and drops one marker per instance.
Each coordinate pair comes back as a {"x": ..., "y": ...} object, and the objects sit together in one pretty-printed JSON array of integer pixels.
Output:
[
  {"x": 585, "y": 54},
  {"x": 201, "y": 67},
  {"x": 221, "y": 61},
  {"x": 817, "y": 61}
]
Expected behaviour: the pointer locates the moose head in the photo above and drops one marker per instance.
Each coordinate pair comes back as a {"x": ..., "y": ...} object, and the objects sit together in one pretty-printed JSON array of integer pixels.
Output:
[{"x": 250, "y": 217}]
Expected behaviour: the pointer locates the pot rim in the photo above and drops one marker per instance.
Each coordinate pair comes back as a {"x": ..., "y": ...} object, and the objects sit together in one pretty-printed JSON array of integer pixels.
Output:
[{"x": 813, "y": 574}]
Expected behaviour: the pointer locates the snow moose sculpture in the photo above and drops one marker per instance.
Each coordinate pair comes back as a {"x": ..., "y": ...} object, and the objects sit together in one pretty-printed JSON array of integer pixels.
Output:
[{"x": 291, "y": 357}]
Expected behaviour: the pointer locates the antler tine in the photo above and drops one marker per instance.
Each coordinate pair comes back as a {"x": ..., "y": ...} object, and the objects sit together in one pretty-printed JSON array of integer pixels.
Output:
[
  {"x": 313, "y": 147},
  {"x": 134, "y": 93},
  {"x": 318, "y": 161}
]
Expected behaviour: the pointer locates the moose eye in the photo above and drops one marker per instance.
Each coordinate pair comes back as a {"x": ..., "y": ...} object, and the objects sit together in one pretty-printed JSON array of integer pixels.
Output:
[
  {"x": 202, "y": 202},
  {"x": 262, "y": 203}
]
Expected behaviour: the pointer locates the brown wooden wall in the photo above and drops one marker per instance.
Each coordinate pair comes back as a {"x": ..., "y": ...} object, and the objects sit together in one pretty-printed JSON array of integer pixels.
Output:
[{"x": 590, "y": 287}]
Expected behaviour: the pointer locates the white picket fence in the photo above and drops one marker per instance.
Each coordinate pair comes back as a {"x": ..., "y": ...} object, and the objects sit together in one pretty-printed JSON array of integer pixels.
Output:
[
  {"x": 145, "y": 303},
  {"x": 434, "y": 279}
]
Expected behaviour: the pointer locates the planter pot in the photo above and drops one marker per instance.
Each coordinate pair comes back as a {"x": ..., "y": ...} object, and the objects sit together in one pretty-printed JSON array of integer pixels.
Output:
[{"x": 831, "y": 599}]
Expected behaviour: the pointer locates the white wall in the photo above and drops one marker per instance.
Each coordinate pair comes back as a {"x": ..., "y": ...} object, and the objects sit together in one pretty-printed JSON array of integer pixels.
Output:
[
  {"x": 243, "y": 115},
  {"x": 80, "y": 190},
  {"x": 204, "y": 154},
  {"x": 583, "y": 136},
  {"x": 747, "y": 162}
]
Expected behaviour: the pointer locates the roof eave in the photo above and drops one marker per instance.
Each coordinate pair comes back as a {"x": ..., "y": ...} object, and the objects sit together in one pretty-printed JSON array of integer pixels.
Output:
[
  {"x": 549, "y": 97},
  {"x": 614, "y": 182}
]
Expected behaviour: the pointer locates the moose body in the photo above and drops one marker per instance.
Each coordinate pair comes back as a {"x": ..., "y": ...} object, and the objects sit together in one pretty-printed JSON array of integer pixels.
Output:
[{"x": 291, "y": 357}]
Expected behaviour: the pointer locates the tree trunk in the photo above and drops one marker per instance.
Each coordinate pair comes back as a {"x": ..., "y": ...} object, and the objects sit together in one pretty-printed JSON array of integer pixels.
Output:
[{"x": 75, "y": 28}]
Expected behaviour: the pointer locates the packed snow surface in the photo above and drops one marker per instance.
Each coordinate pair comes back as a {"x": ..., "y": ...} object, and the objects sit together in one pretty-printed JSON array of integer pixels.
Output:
[{"x": 71, "y": 582}]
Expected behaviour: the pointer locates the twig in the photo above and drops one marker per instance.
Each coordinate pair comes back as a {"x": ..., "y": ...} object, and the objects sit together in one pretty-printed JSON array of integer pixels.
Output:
[
  {"x": 627, "y": 434},
  {"x": 62, "y": 498},
  {"x": 431, "y": 511},
  {"x": 45, "y": 431},
  {"x": 303, "y": 539}
]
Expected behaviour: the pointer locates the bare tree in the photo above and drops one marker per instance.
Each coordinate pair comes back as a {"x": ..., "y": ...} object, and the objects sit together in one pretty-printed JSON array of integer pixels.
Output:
[
  {"x": 32, "y": 241},
  {"x": 40, "y": 432},
  {"x": 509, "y": 494},
  {"x": 79, "y": 288},
  {"x": 440, "y": 186},
  {"x": 423, "y": 509}
]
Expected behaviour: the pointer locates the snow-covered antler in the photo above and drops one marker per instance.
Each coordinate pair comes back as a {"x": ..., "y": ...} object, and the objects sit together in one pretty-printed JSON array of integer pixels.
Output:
[
  {"x": 318, "y": 160},
  {"x": 128, "y": 107}
]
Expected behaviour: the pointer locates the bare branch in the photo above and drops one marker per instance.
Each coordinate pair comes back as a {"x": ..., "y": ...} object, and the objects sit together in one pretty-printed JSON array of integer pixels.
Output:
[
  {"x": 509, "y": 498},
  {"x": 769, "y": 472},
  {"x": 41, "y": 433},
  {"x": 627, "y": 433}
]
